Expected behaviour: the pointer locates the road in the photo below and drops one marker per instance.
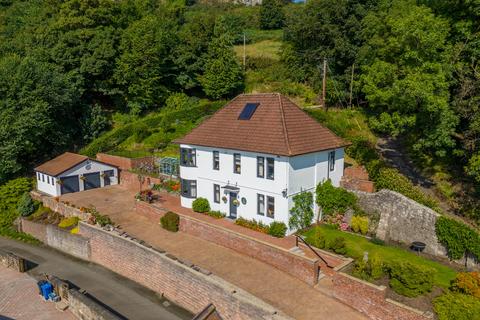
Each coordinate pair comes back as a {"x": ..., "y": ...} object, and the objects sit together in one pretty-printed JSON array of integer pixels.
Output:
[{"x": 127, "y": 298}]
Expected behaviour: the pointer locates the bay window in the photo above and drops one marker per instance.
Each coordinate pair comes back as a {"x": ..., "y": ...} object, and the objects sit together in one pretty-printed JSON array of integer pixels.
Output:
[{"x": 189, "y": 188}]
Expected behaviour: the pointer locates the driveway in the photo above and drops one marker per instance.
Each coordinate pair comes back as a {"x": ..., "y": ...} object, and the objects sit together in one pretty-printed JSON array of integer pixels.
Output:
[
  {"x": 19, "y": 299},
  {"x": 127, "y": 298},
  {"x": 275, "y": 287}
]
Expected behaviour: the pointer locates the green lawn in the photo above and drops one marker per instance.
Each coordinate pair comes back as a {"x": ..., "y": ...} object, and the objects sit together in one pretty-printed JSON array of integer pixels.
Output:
[
  {"x": 266, "y": 49},
  {"x": 357, "y": 245}
]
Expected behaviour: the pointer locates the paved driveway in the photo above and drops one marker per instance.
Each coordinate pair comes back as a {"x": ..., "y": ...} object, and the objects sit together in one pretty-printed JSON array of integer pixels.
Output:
[
  {"x": 290, "y": 295},
  {"x": 19, "y": 299}
]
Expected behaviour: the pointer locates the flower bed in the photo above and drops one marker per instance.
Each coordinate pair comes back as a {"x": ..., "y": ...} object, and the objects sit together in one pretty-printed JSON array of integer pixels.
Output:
[{"x": 172, "y": 186}]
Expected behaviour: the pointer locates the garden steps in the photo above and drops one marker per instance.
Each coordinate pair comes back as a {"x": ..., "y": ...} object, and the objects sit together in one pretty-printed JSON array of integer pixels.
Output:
[{"x": 297, "y": 250}]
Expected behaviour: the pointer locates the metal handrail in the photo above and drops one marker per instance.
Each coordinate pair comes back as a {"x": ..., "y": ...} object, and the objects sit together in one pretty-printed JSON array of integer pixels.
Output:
[{"x": 297, "y": 237}]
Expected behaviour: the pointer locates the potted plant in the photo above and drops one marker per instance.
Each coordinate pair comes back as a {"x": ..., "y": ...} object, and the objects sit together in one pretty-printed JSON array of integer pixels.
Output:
[
  {"x": 224, "y": 199},
  {"x": 236, "y": 202}
]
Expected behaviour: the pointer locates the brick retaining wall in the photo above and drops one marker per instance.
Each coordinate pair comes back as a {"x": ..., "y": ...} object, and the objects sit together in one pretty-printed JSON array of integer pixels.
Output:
[
  {"x": 177, "y": 281},
  {"x": 356, "y": 178},
  {"x": 300, "y": 267},
  {"x": 12, "y": 261},
  {"x": 123, "y": 162},
  {"x": 370, "y": 299},
  {"x": 58, "y": 206}
]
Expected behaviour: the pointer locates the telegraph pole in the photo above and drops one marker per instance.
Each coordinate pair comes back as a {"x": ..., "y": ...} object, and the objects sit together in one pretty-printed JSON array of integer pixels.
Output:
[
  {"x": 324, "y": 84},
  {"x": 351, "y": 85},
  {"x": 244, "y": 53}
]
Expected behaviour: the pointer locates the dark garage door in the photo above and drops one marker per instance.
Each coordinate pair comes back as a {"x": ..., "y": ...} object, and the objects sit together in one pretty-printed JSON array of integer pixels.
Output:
[
  {"x": 92, "y": 180},
  {"x": 70, "y": 184}
]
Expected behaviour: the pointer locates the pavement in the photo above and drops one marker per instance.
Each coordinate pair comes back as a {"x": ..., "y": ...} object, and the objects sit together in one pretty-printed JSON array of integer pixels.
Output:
[
  {"x": 19, "y": 299},
  {"x": 290, "y": 295},
  {"x": 124, "y": 296}
]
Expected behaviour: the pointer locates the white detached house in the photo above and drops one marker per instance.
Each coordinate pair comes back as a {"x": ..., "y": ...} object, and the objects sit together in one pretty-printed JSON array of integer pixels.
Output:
[{"x": 252, "y": 156}]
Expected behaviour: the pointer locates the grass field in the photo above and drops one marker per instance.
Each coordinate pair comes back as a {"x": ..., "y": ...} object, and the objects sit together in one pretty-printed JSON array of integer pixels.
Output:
[
  {"x": 265, "y": 48},
  {"x": 357, "y": 245}
]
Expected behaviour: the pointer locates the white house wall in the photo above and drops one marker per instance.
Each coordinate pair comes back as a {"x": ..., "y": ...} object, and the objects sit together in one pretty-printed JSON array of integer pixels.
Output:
[
  {"x": 248, "y": 182},
  {"x": 52, "y": 188}
]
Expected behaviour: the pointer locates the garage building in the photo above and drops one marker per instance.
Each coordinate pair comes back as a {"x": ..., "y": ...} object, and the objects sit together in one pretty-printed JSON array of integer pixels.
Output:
[{"x": 71, "y": 172}]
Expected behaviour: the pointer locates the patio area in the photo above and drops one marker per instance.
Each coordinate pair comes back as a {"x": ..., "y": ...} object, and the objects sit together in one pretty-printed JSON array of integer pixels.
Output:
[{"x": 260, "y": 279}]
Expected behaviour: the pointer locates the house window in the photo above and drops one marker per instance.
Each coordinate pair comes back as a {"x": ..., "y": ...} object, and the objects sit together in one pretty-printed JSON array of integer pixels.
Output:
[
  {"x": 331, "y": 160},
  {"x": 270, "y": 168},
  {"x": 260, "y": 204},
  {"x": 53, "y": 181},
  {"x": 237, "y": 168},
  {"x": 43, "y": 177},
  {"x": 216, "y": 193},
  {"x": 48, "y": 179},
  {"x": 270, "y": 207},
  {"x": 189, "y": 188},
  {"x": 38, "y": 176},
  {"x": 216, "y": 160},
  {"x": 260, "y": 167},
  {"x": 188, "y": 157}
]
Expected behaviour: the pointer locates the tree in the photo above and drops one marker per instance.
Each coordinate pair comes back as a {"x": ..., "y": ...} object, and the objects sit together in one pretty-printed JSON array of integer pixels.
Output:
[
  {"x": 145, "y": 68},
  {"x": 405, "y": 65},
  {"x": 94, "y": 122},
  {"x": 271, "y": 14},
  {"x": 222, "y": 75},
  {"x": 301, "y": 215},
  {"x": 321, "y": 29},
  {"x": 37, "y": 113}
]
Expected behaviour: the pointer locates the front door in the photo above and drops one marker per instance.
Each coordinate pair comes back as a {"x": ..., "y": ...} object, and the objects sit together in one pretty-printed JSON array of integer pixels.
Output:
[
  {"x": 233, "y": 207},
  {"x": 106, "y": 178}
]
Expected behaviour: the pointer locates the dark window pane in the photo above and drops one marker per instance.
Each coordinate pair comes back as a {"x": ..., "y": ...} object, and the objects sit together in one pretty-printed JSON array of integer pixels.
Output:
[
  {"x": 188, "y": 157},
  {"x": 260, "y": 204},
  {"x": 216, "y": 160},
  {"x": 270, "y": 207},
  {"x": 237, "y": 168},
  {"x": 216, "y": 193},
  {"x": 270, "y": 168},
  {"x": 332, "y": 160},
  {"x": 248, "y": 111},
  {"x": 260, "y": 167},
  {"x": 189, "y": 188}
]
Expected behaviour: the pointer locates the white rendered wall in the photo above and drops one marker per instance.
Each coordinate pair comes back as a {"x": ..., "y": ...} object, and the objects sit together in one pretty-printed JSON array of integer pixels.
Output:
[
  {"x": 52, "y": 188},
  {"x": 88, "y": 166},
  {"x": 248, "y": 182}
]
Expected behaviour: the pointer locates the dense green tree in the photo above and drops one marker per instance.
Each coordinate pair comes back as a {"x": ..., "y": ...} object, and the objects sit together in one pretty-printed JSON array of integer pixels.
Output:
[
  {"x": 94, "y": 122},
  {"x": 301, "y": 215},
  {"x": 328, "y": 29},
  {"x": 222, "y": 75},
  {"x": 145, "y": 69},
  {"x": 405, "y": 74},
  {"x": 271, "y": 14},
  {"x": 37, "y": 113}
]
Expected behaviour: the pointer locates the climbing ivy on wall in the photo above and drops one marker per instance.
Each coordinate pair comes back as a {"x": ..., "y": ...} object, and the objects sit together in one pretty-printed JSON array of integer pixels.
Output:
[{"x": 457, "y": 237}]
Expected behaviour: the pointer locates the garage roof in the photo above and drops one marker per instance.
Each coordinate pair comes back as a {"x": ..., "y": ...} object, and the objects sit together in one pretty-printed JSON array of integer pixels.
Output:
[{"x": 61, "y": 163}]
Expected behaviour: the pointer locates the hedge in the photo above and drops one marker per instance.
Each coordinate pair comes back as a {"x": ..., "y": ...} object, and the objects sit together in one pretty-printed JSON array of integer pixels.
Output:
[
  {"x": 201, "y": 205},
  {"x": 410, "y": 280},
  {"x": 457, "y": 237},
  {"x": 457, "y": 306},
  {"x": 170, "y": 221}
]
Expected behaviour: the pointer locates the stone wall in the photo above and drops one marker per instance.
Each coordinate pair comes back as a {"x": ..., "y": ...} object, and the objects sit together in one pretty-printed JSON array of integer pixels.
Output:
[
  {"x": 402, "y": 219},
  {"x": 179, "y": 282},
  {"x": 12, "y": 261},
  {"x": 300, "y": 267},
  {"x": 85, "y": 308},
  {"x": 58, "y": 206},
  {"x": 75, "y": 245}
]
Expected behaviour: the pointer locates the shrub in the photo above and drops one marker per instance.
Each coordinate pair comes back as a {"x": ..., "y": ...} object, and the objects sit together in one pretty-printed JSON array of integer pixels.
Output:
[
  {"x": 319, "y": 239},
  {"x": 99, "y": 218},
  {"x": 370, "y": 270},
  {"x": 252, "y": 224},
  {"x": 334, "y": 200},
  {"x": 359, "y": 224},
  {"x": 301, "y": 214},
  {"x": 201, "y": 205},
  {"x": 456, "y": 306},
  {"x": 170, "y": 221},
  {"x": 68, "y": 222},
  {"x": 10, "y": 194},
  {"x": 216, "y": 214},
  {"x": 338, "y": 245},
  {"x": 467, "y": 283},
  {"x": 26, "y": 205},
  {"x": 75, "y": 230},
  {"x": 277, "y": 229},
  {"x": 410, "y": 280},
  {"x": 457, "y": 237}
]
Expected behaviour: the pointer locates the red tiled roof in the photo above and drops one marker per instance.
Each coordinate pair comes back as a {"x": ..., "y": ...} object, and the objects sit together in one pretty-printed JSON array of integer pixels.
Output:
[
  {"x": 61, "y": 163},
  {"x": 278, "y": 126}
]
